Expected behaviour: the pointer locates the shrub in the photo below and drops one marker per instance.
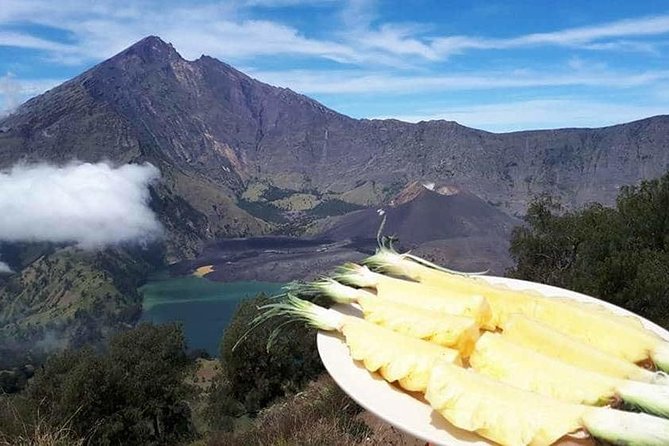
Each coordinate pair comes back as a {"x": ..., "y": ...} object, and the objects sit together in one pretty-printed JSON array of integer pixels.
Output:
[
  {"x": 132, "y": 394},
  {"x": 334, "y": 206},
  {"x": 257, "y": 376},
  {"x": 618, "y": 254},
  {"x": 321, "y": 415}
]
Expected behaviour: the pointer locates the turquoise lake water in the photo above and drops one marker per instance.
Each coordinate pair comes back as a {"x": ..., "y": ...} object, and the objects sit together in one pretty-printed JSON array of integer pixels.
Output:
[{"x": 203, "y": 307}]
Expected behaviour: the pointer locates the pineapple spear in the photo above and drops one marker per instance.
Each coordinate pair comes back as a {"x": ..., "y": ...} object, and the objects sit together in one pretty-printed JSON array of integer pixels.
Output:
[
  {"x": 416, "y": 294},
  {"x": 468, "y": 400},
  {"x": 501, "y": 359},
  {"x": 459, "y": 332},
  {"x": 592, "y": 324},
  {"x": 396, "y": 357}
]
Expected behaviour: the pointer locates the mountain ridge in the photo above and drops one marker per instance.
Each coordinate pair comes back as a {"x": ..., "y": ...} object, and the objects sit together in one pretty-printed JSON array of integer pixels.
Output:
[
  {"x": 239, "y": 157},
  {"x": 211, "y": 121},
  {"x": 214, "y": 132}
]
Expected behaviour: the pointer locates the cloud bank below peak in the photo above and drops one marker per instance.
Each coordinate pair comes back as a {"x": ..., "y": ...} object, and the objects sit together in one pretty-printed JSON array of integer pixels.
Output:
[{"x": 89, "y": 205}]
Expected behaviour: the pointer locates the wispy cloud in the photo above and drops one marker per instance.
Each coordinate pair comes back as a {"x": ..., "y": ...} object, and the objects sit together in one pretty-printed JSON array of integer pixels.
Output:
[
  {"x": 13, "y": 91},
  {"x": 285, "y": 3},
  {"x": 339, "y": 82},
  {"x": 589, "y": 37},
  {"x": 5, "y": 268},
  {"x": 222, "y": 30},
  {"x": 206, "y": 28},
  {"x": 535, "y": 114},
  {"x": 23, "y": 40}
]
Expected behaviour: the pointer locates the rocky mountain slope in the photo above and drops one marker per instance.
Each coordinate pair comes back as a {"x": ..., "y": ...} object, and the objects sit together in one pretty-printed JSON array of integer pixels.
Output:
[
  {"x": 444, "y": 223},
  {"x": 239, "y": 157},
  {"x": 215, "y": 133},
  {"x": 420, "y": 214}
]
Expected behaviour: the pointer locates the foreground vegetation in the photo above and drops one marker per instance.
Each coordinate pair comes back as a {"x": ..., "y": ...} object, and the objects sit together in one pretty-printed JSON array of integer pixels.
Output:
[
  {"x": 133, "y": 393},
  {"x": 140, "y": 388},
  {"x": 618, "y": 254},
  {"x": 67, "y": 298},
  {"x": 321, "y": 415}
]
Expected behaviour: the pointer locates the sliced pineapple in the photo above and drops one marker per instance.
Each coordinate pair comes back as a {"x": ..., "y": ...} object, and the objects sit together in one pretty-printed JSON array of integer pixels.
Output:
[
  {"x": 594, "y": 325},
  {"x": 590, "y": 323},
  {"x": 514, "y": 417},
  {"x": 436, "y": 299},
  {"x": 396, "y": 357},
  {"x": 543, "y": 339},
  {"x": 458, "y": 332},
  {"x": 497, "y": 411},
  {"x": 449, "y": 301},
  {"x": 471, "y": 401},
  {"x": 501, "y": 359}
]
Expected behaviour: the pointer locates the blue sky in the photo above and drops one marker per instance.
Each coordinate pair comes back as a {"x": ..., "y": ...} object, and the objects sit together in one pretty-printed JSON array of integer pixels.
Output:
[{"x": 497, "y": 65}]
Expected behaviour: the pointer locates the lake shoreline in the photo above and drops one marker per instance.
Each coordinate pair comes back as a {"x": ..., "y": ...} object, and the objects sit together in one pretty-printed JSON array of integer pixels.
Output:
[
  {"x": 273, "y": 258},
  {"x": 203, "y": 293},
  {"x": 202, "y": 306}
]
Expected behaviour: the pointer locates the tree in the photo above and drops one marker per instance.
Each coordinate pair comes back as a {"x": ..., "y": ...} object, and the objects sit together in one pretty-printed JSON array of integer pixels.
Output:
[
  {"x": 618, "y": 254},
  {"x": 255, "y": 376},
  {"x": 131, "y": 394}
]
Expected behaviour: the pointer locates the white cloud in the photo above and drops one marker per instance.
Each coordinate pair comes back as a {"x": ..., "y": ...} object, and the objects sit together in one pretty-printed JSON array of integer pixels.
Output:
[
  {"x": 396, "y": 40},
  {"x": 91, "y": 205},
  {"x": 4, "y": 268},
  {"x": 22, "y": 40},
  {"x": 584, "y": 37},
  {"x": 215, "y": 29},
  {"x": 286, "y": 3},
  {"x": 9, "y": 92},
  {"x": 352, "y": 81},
  {"x": 228, "y": 30},
  {"x": 644, "y": 26},
  {"x": 536, "y": 114},
  {"x": 13, "y": 91}
]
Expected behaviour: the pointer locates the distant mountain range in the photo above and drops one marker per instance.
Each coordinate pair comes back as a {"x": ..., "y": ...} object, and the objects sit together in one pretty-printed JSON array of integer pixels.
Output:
[
  {"x": 237, "y": 154},
  {"x": 239, "y": 157}
]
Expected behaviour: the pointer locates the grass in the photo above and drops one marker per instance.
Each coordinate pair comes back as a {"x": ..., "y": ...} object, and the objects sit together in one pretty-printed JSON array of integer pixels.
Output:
[
  {"x": 334, "y": 206},
  {"x": 20, "y": 426},
  {"x": 297, "y": 202},
  {"x": 321, "y": 415},
  {"x": 263, "y": 210}
]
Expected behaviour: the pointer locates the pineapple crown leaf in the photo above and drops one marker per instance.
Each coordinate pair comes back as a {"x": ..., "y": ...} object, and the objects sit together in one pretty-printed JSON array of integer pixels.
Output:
[{"x": 386, "y": 256}]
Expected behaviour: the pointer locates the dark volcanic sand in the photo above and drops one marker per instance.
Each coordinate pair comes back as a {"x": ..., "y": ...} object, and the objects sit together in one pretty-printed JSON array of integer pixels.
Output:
[{"x": 274, "y": 259}]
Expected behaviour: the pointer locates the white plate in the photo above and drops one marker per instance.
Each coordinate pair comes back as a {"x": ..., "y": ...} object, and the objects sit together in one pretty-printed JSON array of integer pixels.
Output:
[{"x": 410, "y": 413}]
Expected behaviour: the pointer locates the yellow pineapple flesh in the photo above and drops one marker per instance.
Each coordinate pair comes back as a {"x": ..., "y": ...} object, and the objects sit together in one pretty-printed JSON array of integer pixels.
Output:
[
  {"x": 543, "y": 339},
  {"x": 395, "y": 356},
  {"x": 497, "y": 411},
  {"x": 499, "y": 358},
  {"x": 502, "y": 301},
  {"x": 591, "y": 323},
  {"x": 435, "y": 299},
  {"x": 458, "y": 332},
  {"x": 594, "y": 325}
]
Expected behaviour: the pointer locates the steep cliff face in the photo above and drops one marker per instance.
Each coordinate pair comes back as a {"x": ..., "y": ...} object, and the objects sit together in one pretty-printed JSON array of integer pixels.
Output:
[
  {"x": 228, "y": 145},
  {"x": 135, "y": 107},
  {"x": 214, "y": 130}
]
